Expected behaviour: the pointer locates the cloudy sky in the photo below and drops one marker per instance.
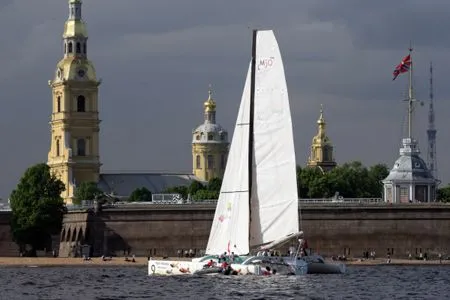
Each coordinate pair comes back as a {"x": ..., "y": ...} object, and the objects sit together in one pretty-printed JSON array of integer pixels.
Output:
[{"x": 157, "y": 58}]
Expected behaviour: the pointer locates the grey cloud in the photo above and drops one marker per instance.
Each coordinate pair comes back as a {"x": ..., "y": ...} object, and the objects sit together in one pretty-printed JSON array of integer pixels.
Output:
[{"x": 156, "y": 59}]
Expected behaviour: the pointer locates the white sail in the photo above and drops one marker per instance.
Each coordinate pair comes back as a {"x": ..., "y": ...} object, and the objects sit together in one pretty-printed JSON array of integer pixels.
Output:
[
  {"x": 274, "y": 203},
  {"x": 230, "y": 228}
]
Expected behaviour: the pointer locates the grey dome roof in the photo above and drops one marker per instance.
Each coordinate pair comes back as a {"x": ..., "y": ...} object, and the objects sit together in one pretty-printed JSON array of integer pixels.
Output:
[
  {"x": 210, "y": 133},
  {"x": 409, "y": 168}
]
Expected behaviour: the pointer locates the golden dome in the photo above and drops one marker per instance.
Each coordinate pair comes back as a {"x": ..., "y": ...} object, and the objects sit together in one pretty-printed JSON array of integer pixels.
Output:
[{"x": 210, "y": 104}]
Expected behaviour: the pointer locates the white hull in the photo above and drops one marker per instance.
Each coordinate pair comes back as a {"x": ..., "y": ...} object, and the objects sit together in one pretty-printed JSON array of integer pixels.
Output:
[{"x": 251, "y": 266}]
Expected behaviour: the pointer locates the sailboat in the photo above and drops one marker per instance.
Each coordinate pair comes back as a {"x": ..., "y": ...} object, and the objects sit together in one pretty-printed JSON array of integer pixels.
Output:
[{"x": 257, "y": 209}]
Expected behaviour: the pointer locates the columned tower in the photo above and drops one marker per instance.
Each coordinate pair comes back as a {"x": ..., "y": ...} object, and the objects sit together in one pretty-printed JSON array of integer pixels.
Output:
[
  {"x": 321, "y": 148},
  {"x": 209, "y": 145},
  {"x": 74, "y": 150},
  {"x": 409, "y": 179},
  {"x": 431, "y": 132}
]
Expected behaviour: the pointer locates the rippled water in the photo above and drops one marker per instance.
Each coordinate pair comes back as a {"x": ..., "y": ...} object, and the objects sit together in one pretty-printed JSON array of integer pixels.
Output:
[{"x": 375, "y": 282}]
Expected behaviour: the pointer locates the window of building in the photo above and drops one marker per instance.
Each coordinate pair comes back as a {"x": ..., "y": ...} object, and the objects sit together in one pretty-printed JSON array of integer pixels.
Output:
[
  {"x": 389, "y": 194},
  {"x": 222, "y": 161},
  {"x": 210, "y": 136},
  {"x": 57, "y": 148},
  {"x": 210, "y": 162},
  {"x": 197, "y": 137},
  {"x": 58, "y": 104},
  {"x": 70, "y": 47},
  {"x": 404, "y": 195},
  {"x": 84, "y": 48},
  {"x": 81, "y": 104},
  {"x": 81, "y": 147},
  {"x": 198, "y": 164},
  {"x": 65, "y": 48},
  {"x": 421, "y": 193},
  {"x": 78, "y": 47}
]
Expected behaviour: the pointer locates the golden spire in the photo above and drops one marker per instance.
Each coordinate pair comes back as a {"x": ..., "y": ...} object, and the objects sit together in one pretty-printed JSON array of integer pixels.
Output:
[
  {"x": 321, "y": 121},
  {"x": 210, "y": 104}
]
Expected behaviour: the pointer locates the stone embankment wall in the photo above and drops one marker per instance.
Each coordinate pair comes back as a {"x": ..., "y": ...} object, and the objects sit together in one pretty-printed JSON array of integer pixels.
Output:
[
  {"x": 331, "y": 229},
  {"x": 7, "y": 246}
]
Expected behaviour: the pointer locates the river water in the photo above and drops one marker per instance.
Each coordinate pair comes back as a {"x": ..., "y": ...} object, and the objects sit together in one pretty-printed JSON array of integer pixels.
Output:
[{"x": 101, "y": 283}]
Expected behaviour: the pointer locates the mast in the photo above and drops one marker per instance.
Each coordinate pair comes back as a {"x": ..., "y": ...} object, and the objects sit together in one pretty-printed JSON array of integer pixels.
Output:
[
  {"x": 410, "y": 96},
  {"x": 251, "y": 122}
]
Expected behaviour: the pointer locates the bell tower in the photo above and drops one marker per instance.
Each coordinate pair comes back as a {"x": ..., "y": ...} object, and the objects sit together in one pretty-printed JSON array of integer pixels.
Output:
[
  {"x": 74, "y": 150},
  {"x": 321, "y": 148},
  {"x": 209, "y": 145}
]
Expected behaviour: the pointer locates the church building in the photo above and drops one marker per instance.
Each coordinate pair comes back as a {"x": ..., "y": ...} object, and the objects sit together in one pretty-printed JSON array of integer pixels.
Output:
[
  {"x": 321, "y": 148},
  {"x": 209, "y": 145}
]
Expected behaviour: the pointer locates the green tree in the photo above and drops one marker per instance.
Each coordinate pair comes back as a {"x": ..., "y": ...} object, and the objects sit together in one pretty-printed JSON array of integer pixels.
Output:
[
  {"x": 377, "y": 173},
  {"x": 194, "y": 187},
  {"x": 443, "y": 194},
  {"x": 37, "y": 208},
  {"x": 86, "y": 191},
  {"x": 215, "y": 184},
  {"x": 206, "y": 195},
  {"x": 140, "y": 195}
]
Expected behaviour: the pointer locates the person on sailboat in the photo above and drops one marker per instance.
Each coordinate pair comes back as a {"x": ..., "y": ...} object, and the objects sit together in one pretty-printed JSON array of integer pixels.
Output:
[{"x": 267, "y": 272}]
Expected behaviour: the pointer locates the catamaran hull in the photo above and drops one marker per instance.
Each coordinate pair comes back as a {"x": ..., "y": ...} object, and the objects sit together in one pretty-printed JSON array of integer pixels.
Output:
[
  {"x": 324, "y": 268},
  {"x": 167, "y": 267},
  {"x": 197, "y": 267}
]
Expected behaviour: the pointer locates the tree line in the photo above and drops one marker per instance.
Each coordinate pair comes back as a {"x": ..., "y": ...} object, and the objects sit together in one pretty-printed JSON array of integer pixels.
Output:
[
  {"x": 350, "y": 180},
  {"x": 38, "y": 208}
]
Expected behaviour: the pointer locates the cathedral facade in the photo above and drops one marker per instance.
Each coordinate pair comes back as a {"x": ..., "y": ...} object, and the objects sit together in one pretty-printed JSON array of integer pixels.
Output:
[
  {"x": 74, "y": 155},
  {"x": 321, "y": 148},
  {"x": 209, "y": 145}
]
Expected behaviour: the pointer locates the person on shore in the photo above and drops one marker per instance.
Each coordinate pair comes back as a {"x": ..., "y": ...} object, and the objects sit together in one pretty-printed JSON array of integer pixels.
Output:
[{"x": 440, "y": 258}]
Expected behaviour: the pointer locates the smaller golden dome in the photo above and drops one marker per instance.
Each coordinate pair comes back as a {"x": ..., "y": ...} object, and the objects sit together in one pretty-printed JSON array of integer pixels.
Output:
[{"x": 210, "y": 104}]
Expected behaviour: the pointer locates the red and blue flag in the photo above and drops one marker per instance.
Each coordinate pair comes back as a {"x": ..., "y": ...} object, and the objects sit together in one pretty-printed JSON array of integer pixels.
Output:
[{"x": 402, "y": 67}]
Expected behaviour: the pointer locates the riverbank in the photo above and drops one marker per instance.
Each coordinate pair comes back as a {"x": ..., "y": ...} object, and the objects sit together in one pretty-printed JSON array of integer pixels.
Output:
[
  {"x": 142, "y": 261},
  {"x": 396, "y": 262}
]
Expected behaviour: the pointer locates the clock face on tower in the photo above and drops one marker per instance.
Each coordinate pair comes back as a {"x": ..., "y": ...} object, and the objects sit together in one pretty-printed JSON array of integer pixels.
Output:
[{"x": 81, "y": 73}]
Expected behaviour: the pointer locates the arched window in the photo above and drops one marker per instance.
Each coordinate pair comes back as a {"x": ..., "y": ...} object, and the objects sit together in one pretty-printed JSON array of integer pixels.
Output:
[
  {"x": 65, "y": 48},
  {"x": 57, "y": 148},
  {"x": 84, "y": 48},
  {"x": 198, "y": 162},
  {"x": 81, "y": 104},
  {"x": 58, "y": 104},
  {"x": 210, "y": 136},
  {"x": 78, "y": 47},
  {"x": 70, "y": 47},
  {"x": 210, "y": 162},
  {"x": 81, "y": 147}
]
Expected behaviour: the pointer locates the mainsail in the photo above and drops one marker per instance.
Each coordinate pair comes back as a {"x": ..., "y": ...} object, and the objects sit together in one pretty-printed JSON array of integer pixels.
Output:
[
  {"x": 272, "y": 212},
  {"x": 274, "y": 203}
]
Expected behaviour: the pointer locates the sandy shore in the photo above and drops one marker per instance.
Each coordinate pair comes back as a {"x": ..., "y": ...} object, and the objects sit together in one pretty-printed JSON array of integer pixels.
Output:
[
  {"x": 398, "y": 262},
  {"x": 142, "y": 261}
]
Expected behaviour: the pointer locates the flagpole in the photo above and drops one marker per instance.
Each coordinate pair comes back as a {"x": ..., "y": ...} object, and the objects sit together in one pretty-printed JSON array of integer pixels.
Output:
[{"x": 410, "y": 96}]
